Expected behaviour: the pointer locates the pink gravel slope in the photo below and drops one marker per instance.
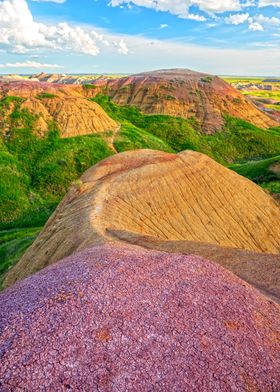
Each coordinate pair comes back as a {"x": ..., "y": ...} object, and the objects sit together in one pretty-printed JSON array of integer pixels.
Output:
[{"x": 121, "y": 318}]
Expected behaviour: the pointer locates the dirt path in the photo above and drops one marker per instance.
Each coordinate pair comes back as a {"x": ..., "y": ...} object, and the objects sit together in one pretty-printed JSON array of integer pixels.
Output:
[{"x": 110, "y": 140}]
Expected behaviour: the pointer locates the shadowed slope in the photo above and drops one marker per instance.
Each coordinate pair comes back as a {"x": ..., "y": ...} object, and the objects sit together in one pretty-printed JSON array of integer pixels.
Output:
[
  {"x": 261, "y": 270},
  {"x": 120, "y": 318},
  {"x": 176, "y": 197}
]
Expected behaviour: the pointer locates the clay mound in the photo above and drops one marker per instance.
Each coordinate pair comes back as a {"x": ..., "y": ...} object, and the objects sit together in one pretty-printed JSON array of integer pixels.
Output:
[
  {"x": 261, "y": 270},
  {"x": 120, "y": 318},
  {"x": 74, "y": 114},
  {"x": 175, "y": 197},
  {"x": 186, "y": 94}
]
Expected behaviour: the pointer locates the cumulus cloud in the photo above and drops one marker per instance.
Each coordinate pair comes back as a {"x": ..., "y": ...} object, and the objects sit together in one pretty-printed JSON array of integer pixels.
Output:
[
  {"x": 273, "y": 21},
  {"x": 237, "y": 19},
  {"x": 20, "y": 33},
  {"x": 29, "y": 64},
  {"x": 265, "y": 3},
  {"x": 255, "y": 26},
  {"x": 181, "y": 8},
  {"x": 255, "y": 23}
]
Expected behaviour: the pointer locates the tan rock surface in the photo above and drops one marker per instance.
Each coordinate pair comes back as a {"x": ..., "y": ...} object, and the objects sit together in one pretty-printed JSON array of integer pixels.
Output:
[
  {"x": 172, "y": 197},
  {"x": 74, "y": 116},
  {"x": 73, "y": 113}
]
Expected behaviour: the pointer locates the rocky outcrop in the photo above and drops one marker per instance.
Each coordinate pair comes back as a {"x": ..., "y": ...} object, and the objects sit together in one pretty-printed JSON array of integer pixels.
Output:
[
  {"x": 120, "y": 318},
  {"x": 73, "y": 114},
  {"x": 172, "y": 197},
  {"x": 184, "y": 93}
]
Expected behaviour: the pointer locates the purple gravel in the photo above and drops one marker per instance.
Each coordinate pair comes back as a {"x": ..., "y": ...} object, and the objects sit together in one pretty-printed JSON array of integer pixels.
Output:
[{"x": 120, "y": 318}]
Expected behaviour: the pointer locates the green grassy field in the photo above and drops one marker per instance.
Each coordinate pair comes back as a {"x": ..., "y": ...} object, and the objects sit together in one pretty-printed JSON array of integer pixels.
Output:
[
  {"x": 238, "y": 140},
  {"x": 262, "y": 172},
  {"x": 264, "y": 94},
  {"x": 13, "y": 243}
]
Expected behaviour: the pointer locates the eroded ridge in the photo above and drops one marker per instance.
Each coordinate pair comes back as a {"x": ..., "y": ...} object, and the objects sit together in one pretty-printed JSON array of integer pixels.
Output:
[{"x": 172, "y": 197}]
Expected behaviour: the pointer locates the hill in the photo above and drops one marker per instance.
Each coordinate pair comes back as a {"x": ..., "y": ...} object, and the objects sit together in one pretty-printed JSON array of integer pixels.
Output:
[
  {"x": 74, "y": 115},
  {"x": 118, "y": 317},
  {"x": 51, "y": 133},
  {"x": 39, "y": 159},
  {"x": 265, "y": 172},
  {"x": 186, "y": 94},
  {"x": 176, "y": 197}
]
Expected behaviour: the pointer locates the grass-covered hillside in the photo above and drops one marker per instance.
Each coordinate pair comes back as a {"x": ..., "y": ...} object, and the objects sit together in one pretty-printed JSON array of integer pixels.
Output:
[
  {"x": 35, "y": 172},
  {"x": 265, "y": 172},
  {"x": 238, "y": 140}
]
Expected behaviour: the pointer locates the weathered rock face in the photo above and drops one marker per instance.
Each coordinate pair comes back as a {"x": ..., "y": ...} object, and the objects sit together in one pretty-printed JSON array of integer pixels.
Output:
[
  {"x": 186, "y": 94},
  {"x": 120, "y": 318},
  {"x": 74, "y": 114},
  {"x": 172, "y": 197},
  {"x": 261, "y": 270}
]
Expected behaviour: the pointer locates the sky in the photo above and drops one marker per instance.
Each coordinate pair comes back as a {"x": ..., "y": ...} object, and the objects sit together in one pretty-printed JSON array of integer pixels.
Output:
[{"x": 223, "y": 37}]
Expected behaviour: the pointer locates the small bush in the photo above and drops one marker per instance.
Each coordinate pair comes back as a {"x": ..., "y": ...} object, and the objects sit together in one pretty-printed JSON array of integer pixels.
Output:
[
  {"x": 88, "y": 86},
  {"x": 46, "y": 95},
  {"x": 206, "y": 79}
]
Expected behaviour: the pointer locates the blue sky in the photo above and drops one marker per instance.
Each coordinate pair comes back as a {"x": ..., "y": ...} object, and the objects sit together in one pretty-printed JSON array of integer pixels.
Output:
[{"x": 236, "y": 37}]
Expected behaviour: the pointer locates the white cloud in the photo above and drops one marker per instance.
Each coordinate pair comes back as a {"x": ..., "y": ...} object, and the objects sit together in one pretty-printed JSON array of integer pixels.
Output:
[
  {"x": 172, "y": 54},
  {"x": 50, "y": 1},
  {"x": 20, "y": 33},
  {"x": 255, "y": 23},
  {"x": 163, "y": 26},
  {"x": 273, "y": 21},
  {"x": 237, "y": 19},
  {"x": 181, "y": 7},
  {"x": 217, "y": 6},
  {"x": 255, "y": 26},
  {"x": 121, "y": 47},
  {"x": 29, "y": 64},
  {"x": 265, "y": 3}
]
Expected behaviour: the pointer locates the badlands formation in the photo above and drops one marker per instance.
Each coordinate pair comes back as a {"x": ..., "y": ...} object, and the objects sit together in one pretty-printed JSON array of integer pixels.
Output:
[
  {"x": 187, "y": 196},
  {"x": 72, "y": 112},
  {"x": 184, "y": 93},
  {"x": 132, "y": 285},
  {"x": 157, "y": 272},
  {"x": 177, "y": 92}
]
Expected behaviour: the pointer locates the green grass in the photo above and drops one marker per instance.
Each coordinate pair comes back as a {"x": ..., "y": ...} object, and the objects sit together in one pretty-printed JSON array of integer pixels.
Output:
[
  {"x": 239, "y": 140},
  {"x": 274, "y": 107},
  {"x": 133, "y": 138},
  {"x": 260, "y": 172},
  {"x": 13, "y": 243},
  {"x": 36, "y": 172},
  {"x": 6, "y": 101},
  {"x": 36, "y": 175},
  {"x": 88, "y": 86},
  {"x": 242, "y": 141},
  {"x": 46, "y": 95},
  {"x": 264, "y": 94}
]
